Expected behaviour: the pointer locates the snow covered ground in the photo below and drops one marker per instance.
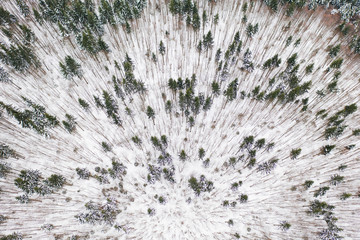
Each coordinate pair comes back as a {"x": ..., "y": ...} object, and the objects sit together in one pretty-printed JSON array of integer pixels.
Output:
[{"x": 272, "y": 198}]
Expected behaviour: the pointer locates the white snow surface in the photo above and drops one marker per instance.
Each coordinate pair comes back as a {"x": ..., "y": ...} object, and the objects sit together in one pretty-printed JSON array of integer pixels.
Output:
[{"x": 273, "y": 198}]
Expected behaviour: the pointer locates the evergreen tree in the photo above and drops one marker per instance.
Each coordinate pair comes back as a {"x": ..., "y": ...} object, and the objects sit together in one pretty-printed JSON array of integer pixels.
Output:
[
  {"x": 161, "y": 48},
  {"x": 295, "y": 153},
  {"x": 24, "y": 9},
  {"x": 216, "y": 19},
  {"x": 85, "y": 105},
  {"x": 168, "y": 106},
  {"x": 150, "y": 113},
  {"x": 6, "y": 17},
  {"x": 333, "y": 52},
  {"x": 70, "y": 68},
  {"x": 70, "y": 123},
  {"x": 231, "y": 91},
  {"x": 4, "y": 76},
  {"x": 215, "y": 88}
]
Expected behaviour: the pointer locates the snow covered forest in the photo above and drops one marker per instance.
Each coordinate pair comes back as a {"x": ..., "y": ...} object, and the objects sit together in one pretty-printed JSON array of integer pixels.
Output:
[{"x": 179, "y": 119}]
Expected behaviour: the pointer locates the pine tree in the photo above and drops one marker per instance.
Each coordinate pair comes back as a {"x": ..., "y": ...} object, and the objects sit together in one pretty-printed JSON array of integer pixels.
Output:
[
  {"x": 70, "y": 123},
  {"x": 4, "y": 76},
  {"x": 216, "y": 19},
  {"x": 24, "y": 8},
  {"x": 161, "y": 48},
  {"x": 231, "y": 91},
  {"x": 6, "y": 17},
  {"x": 85, "y": 105},
  {"x": 71, "y": 68},
  {"x": 215, "y": 88},
  {"x": 168, "y": 106},
  {"x": 150, "y": 113}
]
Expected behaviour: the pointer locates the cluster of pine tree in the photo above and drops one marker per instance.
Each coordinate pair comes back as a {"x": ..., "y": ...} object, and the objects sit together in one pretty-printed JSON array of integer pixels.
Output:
[
  {"x": 18, "y": 56},
  {"x": 30, "y": 182},
  {"x": 164, "y": 164},
  {"x": 70, "y": 68},
  {"x": 229, "y": 57},
  {"x": 201, "y": 185},
  {"x": 35, "y": 118},
  {"x": 129, "y": 83},
  {"x": 81, "y": 18},
  {"x": 188, "y": 102},
  {"x": 249, "y": 157},
  {"x": 99, "y": 213},
  {"x": 206, "y": 43},
  {"x": 188, "y": 9},
  {"x": 110, "y": 106},
  {"x": 335, "y": 126},
  {"x": 289, "y": 88}
]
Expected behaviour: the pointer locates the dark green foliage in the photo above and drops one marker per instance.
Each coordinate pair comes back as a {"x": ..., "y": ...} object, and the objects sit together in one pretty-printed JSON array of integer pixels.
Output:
[
  {"x": 327, "y": 149},
  {"x": 99, "y": 213},
  {"x": 183, "y": 156},
  {"x": 129, "y": 82},
  {"x": 355, "y": 44},
  {"x": 295, "y": 153},
  {"x": 345, "y": 196},
  {"x": 162, "y": 48},
  {"x": 30, "y": 182},
  {"x": 151, "y": 211},
  {"x": 215, "y": 88},
  {"x": 168, "y": 106},
  {"x": 4, "y": 169},
  {"x": 356, "y": 132},
  {"x": 150, "y": 113},
  {"x": 344, "y": 29},
  {"x": 136, "y": 140},
  {"x": 85, "y": 105},
  {"x": 337, "y": 63},
  {"x": 336, "y": 179},
  {"x": 342, "y": 167},
  {"x": 290, "y": 10},
  {"x": 117, "y": 169},
  {"x": 27, "y": 35},
  {"x": 208, "y": 41},
  {"x": 284, "y": 225},
  {"x": 321, "y": 191},
  {"x": 83, "y": 173},
  {"x": 35, "y": 117},
  {"x": 335, "y": 125},
  {"x": 6, "y": 17},
  {"x": 24, "y": 8},
  {"x": 308, "y": 184},
  {"x": 69, "y": 123},
  {"x": 20, "y": 57},
  {"x": 272, "y": 62},
  {"x": 244, "y": 7},
  {"x": 288, "y": 41},
  {"x": 273, "y": 5},
  {"x": 216, "y": 19},
  {"x": 318, "y": 208},
  {"x": 38, "y": 17},
  {"x": 202, "y": 185},
  {"x": 243, "y": 198},
  {"x": 70, "y": 68},
  {"x": 309, "y": 68},
  {"x": 333, "y": 51},
  {"x": 297, "y": 42},
  {"x": 231, "y": 91},
  {"x": 106, "y": 147},
  {"x": 13, "y": 236},
  {"x": 91, "y": 43},
  {"x": 55, "y": 181},
  {"x": 251, "y": 30},
  {"x": 6, "y": 152}
]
